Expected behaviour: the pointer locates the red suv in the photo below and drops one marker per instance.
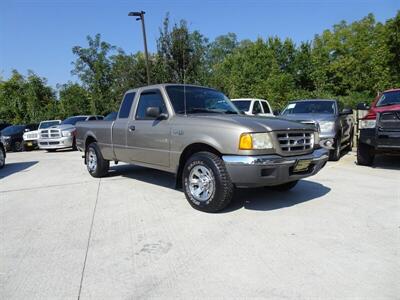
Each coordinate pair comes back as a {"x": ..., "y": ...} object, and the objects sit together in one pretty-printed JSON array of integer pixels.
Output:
[{"x": 380, "y": 128}]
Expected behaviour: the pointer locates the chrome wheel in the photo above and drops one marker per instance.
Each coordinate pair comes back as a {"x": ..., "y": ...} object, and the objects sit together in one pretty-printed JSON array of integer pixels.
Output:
[
  {"x": 91, "y": 160},
  {"x": 201, "y": 183},
  {"x": 2, "y": 158}
]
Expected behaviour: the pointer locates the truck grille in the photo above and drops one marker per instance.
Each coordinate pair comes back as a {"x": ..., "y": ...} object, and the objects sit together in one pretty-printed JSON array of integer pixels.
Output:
[
  {"x": 31, "y": 136},
  {"x": 50, "y": 133},
  {"x": 295, "y": 141},
  {"x": 389, "y": 121}
]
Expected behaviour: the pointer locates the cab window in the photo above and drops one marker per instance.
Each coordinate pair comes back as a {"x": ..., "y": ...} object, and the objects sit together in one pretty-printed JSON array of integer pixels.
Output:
[
  {"x": 152, "y": 98},
  {"x": 126, "y": 106},
  {"x": 257, "y": 108},
  {"x": 265, "y": 107}
]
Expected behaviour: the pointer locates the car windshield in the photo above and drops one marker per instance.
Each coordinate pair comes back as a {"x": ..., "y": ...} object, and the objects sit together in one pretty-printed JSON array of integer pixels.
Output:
[
  {"x": 310, "y": 107},
  {"x": 47, "y": 124},
  {"x": 73, "y": 120},
  {"x": 199, "y": 100},
  {"x": 10, "y": 130},
  {"x": 389, "y": 98},
  {"x": 242, "y": 105}
]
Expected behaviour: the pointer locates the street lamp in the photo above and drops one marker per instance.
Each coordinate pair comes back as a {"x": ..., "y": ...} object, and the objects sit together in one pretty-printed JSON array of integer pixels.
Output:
[{"x": 140, "y": 16}]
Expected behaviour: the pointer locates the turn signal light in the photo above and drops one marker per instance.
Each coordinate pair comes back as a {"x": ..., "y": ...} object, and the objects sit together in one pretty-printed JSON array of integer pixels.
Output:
[{"x": 246, "y": 142}]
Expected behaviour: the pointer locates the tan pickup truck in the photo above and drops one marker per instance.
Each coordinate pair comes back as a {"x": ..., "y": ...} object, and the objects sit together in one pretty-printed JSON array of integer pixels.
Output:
[{"x": 197, "y": 134}]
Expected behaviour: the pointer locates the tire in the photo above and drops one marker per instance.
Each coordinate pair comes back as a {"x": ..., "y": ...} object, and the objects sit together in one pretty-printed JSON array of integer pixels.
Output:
[
  {"x": 96, "y": 165},
  {"x": 334, "y": 155},
  {"x": 365, "y": 155},
  {"x": 350, "y": 145},
  {"x": 18, "y": 147},
  {"x": 2, "y": 158},
  {"x": 74, "y": 148},
  {"x": 285, "y": 187},
  {"x": 216, "y": 188}
]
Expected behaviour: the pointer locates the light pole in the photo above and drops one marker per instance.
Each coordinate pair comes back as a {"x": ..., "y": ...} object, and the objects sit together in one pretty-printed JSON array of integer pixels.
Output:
[{"x": 140, "y": 16}]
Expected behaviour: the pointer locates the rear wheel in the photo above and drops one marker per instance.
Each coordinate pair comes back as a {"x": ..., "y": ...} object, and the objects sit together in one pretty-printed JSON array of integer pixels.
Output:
[
  {"x": 74, "y": 148},
  {"x": 96, "y": 165},
  {"x": 286, "y": 186},
  {"x": 350, "y": 144},
  {"x": 206, "y": 182},
  {"x": 365, "y": 155}
]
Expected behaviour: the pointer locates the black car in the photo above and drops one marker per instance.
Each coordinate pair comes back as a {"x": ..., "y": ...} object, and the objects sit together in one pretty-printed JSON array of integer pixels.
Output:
[
  {"x": 12, "y": 136},
  {"x": 4, "y": 125}
]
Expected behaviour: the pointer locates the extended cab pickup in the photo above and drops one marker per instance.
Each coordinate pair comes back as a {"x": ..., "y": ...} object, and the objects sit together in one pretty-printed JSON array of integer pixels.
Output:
[{"x": 200, "y": 136}]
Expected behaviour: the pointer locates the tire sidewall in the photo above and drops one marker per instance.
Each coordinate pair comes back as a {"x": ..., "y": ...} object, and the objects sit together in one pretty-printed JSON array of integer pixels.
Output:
[
  {"x": 207, "y": 162},
  {"x": 3, "y": 158},
  {"x": 96, "y": 151}
]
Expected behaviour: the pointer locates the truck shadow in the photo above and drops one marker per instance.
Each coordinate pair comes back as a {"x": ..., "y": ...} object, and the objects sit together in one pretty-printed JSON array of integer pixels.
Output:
[
  {"x": 11, "y": 168},
  {"x": 389, "y": 162},
  {"x": 265, "y": 199},
  {"x": 254, "y": 199}
]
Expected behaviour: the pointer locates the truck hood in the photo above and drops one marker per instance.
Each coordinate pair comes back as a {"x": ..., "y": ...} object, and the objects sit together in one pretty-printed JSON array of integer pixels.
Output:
[
  {"x": 63, "y": 127},
  {"x": 309, "y": 117},
  {"x": 252, "y": 123}
]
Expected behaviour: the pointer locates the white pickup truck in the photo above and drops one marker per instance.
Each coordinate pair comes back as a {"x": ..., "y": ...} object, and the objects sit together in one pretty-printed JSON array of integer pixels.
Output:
[{"x": 31, "y": 137}]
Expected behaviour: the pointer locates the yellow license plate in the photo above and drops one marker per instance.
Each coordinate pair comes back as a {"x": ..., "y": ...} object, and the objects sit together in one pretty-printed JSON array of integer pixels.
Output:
[
  {"x": 29, "y": 144},
  {"x": 302, "y": 165}
]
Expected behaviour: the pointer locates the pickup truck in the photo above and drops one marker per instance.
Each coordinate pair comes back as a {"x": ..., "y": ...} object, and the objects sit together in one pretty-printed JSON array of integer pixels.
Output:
[
  {"x": 197, "y": 134},
  {"x": 380, "y": 128},
  {"x": 336, "y": 124}
]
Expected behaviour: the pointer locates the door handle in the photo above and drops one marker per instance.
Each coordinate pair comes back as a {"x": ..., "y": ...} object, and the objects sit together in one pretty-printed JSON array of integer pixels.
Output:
[{"x": 131, "y": 128}]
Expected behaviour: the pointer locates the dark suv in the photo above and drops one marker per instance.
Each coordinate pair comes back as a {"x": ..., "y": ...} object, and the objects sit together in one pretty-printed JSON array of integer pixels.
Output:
[
  {"x": 12, "y": 136},
  {"x": 380, "y": 128}
]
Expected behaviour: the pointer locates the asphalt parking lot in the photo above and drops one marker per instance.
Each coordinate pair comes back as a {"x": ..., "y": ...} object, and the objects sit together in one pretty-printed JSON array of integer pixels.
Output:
[{"x": 132, "y": 236}]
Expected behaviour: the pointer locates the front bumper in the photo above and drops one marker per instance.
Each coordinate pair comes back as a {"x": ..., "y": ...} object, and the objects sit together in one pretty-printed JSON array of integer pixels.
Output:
[
  {"x": 30, "y": 143},
  {"x": 59, "y": 143},
  {"x": 381, "y": 141},
  {"x": 270, "y": 170}
]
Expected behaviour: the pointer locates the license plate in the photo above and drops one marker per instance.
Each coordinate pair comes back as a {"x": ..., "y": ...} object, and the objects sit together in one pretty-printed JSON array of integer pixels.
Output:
[
  {"x": 302, "y": 165},
  {"x": 29, "y": 144}
]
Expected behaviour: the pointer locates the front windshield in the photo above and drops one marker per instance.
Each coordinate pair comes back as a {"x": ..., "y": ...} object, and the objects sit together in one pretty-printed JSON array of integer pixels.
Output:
[
  {"x": 48, "y": 124},
  {"x": 310, "y": 107},
  {"x": 389, "y": 98},
  {"x": 199, "y": 100},
  {"x": 242, "y": 105},
  {"x": 73, "y": 120},
  {"x": 10, "y": 130}
]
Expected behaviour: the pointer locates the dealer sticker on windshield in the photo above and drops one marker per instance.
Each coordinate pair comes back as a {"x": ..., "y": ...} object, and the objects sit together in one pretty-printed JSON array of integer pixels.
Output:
[{"x": 302, "y": 165}]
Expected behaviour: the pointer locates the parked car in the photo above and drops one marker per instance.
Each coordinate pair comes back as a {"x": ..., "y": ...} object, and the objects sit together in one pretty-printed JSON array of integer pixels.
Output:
[
  {"x": 254, "y": 107},
  {"x": 336, "y": 124},
  {"x": 30, "y": 138},
  {"x": 2, "y": 155},
  {"x": 380, "y": 128},
  {"x": 12, "y": 136},
  {"x": 63, "y": 135},
  {"x": 200, "y": 136}
]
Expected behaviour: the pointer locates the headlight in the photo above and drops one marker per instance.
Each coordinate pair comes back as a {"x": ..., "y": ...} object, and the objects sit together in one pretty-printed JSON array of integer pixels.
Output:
[
  {"x": 326, "y": 126},
  {"x": 315, "y": 138},
  {"x": 255, "y": 141},
  {"x": 367, "y": 124},
  {"x": 66, "y": 133}
]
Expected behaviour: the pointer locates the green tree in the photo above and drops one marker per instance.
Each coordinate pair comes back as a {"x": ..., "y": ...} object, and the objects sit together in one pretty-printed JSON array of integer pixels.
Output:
[{"x": 74, "y": 100}]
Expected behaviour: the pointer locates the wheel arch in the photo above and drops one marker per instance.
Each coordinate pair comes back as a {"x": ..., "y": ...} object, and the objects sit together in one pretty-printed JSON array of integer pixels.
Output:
[{"x": 188, "y": 152}]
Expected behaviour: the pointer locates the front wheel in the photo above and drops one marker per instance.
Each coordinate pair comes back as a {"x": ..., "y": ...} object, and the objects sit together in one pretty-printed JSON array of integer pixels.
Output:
[
  {"x": 17, "y": 147},
  {"x": 334, "y": 155},
  {"x": 2, "y": 158},
  {"x": 206, "y": 182},
  {"x": 365, "y": 155},
  {"x": 96, "y": 165}
]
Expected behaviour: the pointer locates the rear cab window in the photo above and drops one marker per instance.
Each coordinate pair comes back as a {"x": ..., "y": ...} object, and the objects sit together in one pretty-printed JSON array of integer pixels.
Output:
[{"x": 126, "y": 105}]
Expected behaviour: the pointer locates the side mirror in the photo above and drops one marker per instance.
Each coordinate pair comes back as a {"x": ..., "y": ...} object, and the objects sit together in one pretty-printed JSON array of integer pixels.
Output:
[
  {"x": 277, "y": 112},
  {"x": 155, "y": 113},
  {"x": 362, "y": 106},
  {"x": 347, "y": 111}
]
